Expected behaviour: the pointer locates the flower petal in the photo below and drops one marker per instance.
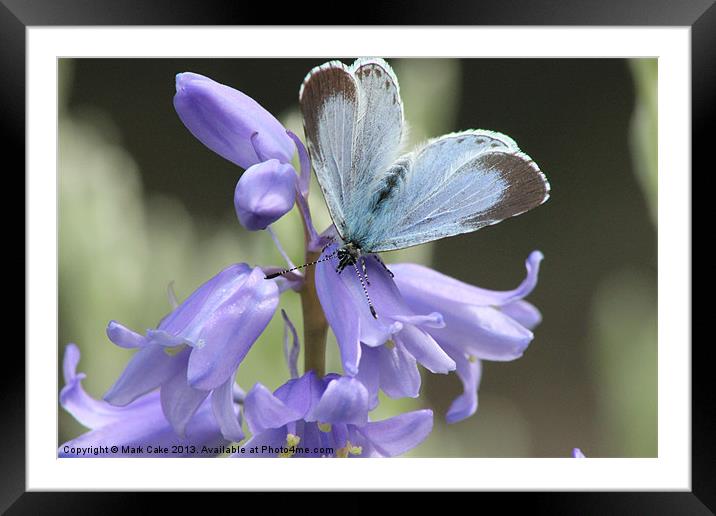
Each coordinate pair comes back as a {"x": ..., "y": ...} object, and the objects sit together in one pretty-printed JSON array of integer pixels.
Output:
[
  {"x": 271, "y": 437},
  {"x": 69, "y": 363},
  {"x": 136, "y": 424},
  {"x": 137, "y": 429},
  {"x": 230, "y": 330},
  {"x": 346, "y": 288},
  {"x": 84, "y": 408},
  {"x": 186, "y": 320},
  {"x": 180, "y": 401},
  {"x": 148, "y": 369},
  {"x": 399, "y": 434},
  {"x": 425, "y": 350},
  {"x": 432, "y": 320},
  {"x": 311, "y": 440},
  {"x": 165, "y": 339},
  {"x": 301, "y": 394},
  {"x": 340, "y": 313},
  {"x": 338, "y": 436},
  {"x": 484, "y": 332},
  {"x": 399, "y": 375},
  {"x": 263, "y": 410},
  {"x": 123, "y": 336},
  {"x": 469, "y": 372},
  {"x": 385, "y": 296},
  {"x": 345, "y": 400},
  {"x": 305, "y": 166},
  {"x": 369, "y": 373},
  {"x": 523, "y": 312},
  {"x": 229, "y": 122},
  {"x": 265, "y": 193},
  {"x": 292, "y": 348},
  {"x": 421, "y": 285},
  {"x": 222, "y": 403}
]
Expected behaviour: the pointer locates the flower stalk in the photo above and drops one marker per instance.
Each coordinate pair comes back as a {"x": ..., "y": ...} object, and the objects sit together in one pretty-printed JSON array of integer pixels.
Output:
[{"x": 315, "y": 326}]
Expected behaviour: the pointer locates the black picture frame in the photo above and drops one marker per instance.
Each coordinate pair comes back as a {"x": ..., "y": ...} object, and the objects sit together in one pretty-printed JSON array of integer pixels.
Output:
[{"x": 17, "y": 15}]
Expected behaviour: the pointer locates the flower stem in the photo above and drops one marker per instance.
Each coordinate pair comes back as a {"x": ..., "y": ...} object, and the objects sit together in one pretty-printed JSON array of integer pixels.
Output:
[{"x": 315, "y": 326}]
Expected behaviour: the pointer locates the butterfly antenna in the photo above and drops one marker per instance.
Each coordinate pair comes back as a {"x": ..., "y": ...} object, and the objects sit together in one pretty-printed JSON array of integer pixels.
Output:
[
  {"x": 286, "y": 271},
  {"x": 365, "y": 291}
]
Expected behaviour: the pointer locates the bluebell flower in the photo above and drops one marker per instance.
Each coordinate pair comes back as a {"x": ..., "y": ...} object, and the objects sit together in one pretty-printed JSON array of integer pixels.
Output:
[
  {"x": 236, "y": 127},
  {"x": 197, "y": 348},
  {"x": 326, "y": 417},
  {"x": 578, "y": 454},
  {"x": 265, "y": 193},
  {"x": 480, "y": 324},
  {"x": 362, "y": 338},
  {"x": 229, "y": 122},
  {"x": 425, "y": 317},
  {"x": 136, "y": 425}
]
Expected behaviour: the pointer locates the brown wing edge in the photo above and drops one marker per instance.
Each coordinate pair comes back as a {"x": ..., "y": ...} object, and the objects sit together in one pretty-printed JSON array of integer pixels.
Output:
[
  {"x": 325, "y": 81},
  {"x": 527, "y": 186}
]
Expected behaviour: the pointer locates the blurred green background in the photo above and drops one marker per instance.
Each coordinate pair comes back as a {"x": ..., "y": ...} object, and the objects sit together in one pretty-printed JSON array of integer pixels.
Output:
[{"x": 142, "y": 203}]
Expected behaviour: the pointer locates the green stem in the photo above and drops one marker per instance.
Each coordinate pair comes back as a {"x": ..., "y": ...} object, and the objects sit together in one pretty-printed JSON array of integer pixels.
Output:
[{"x": 315, "y": 326}]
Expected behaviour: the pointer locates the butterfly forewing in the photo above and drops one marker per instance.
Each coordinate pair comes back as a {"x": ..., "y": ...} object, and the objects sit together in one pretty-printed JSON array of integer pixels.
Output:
[
  {"x": 456, "y": 184},
  {"x": 353, "y": 120},
  {"x": 329, "y": 104},
  {"x": 380, "y": 125}
]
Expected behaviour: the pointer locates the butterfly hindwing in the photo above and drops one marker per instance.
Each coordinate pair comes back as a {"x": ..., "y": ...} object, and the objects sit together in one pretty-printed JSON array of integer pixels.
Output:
[
  {"x": 353, "y": 120},
  {"x": 455, "y": 184}
]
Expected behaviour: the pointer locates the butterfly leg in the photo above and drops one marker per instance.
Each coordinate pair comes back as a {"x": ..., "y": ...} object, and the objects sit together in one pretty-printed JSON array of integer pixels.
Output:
[
  {"x": 344, "y": 261},
  {"x": 365, "y": 270},
  {"x": 384, "y": 265},
  {"x": 365, "y": 290}
]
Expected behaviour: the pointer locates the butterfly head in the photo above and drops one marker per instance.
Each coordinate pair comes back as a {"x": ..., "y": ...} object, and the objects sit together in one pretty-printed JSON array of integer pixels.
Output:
[{"x": 347, "y": 254}]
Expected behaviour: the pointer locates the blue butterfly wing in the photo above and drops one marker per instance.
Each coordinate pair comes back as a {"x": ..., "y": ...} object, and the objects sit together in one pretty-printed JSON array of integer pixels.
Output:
[
  {"x": 454, "y": 184},
  {"x": 353, "y": 121},
  {"x": 458, "y": 183}
]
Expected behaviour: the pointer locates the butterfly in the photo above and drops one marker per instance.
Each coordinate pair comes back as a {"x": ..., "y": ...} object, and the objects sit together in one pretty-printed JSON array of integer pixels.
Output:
[{"x": 380, "y": 200}]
